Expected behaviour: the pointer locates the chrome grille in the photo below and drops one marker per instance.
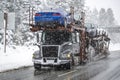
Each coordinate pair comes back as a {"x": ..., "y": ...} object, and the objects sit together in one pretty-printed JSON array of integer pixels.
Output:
[{"x": 50, "y": 51}]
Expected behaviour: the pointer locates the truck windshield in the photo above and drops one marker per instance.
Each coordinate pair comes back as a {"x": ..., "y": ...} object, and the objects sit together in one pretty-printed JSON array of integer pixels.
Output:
[{"x": 55, "y": 37}]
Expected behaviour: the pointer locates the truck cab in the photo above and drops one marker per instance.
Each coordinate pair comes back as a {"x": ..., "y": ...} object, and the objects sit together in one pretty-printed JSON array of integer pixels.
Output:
[{"x": 56, "y": 48}]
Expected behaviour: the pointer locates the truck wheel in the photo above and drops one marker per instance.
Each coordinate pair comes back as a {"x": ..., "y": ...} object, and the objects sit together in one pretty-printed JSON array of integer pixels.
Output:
[
  {"x": 37, "y": 66},
  {"x": 106, "y": 53},
  {"x": 68, "y": 66},
  {"x": 58, "y": 67},
  {"x": 91, "y": 53}
]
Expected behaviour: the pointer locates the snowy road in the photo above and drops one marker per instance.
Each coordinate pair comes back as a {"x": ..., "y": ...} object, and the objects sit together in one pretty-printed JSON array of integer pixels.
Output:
[
  {"x": 113, "y": 71},
  {"x": 104, "y": 69}
]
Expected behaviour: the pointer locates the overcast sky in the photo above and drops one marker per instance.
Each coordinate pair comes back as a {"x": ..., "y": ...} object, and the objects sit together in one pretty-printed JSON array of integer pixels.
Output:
[{"x": 114, "y": 4}]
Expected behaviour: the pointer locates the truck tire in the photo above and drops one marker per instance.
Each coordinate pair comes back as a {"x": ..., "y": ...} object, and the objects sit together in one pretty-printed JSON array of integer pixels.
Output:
[
  {"x": 37, "y": 66},
  {"x": 58, "y": 67},
  {"x": 68, "y": 65},
  {"x": 90, "y": 53},
  {"x": 106, "y": 53}
]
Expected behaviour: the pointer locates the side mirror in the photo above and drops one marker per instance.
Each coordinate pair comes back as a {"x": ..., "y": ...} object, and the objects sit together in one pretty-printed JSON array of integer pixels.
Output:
[
  {"x": 68, "y": 14},
  {"x": 70, "y": 44},
  {"x": 37, "y": 44}
]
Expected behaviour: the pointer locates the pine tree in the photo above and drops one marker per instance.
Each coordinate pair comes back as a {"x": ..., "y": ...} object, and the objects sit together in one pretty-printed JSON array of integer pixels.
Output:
[
  {"x": 88, "y": 15},
  {"x": 110, "y": 18},
  {"x": 95, "y": 16},
  {"x": 77, "y": 4},
  {"x": 102, "y": 17}
]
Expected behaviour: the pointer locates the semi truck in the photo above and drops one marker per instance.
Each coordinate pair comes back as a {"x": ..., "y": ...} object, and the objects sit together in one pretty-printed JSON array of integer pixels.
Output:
[
  {"x": 56, "y": 48},
  {"x": 63, "y": 44}
]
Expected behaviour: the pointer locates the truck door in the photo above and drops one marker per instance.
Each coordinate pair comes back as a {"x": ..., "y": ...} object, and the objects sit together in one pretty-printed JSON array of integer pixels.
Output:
[
  {"x": 75, "y": 41},
  {"x": 38, "y": 37}
]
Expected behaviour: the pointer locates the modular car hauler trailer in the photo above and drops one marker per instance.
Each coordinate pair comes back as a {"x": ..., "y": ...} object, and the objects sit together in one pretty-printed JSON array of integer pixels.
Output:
[{"x": 63, "y": 45}]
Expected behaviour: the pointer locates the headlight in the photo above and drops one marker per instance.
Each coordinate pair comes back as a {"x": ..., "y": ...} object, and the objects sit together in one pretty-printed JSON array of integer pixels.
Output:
[
  {"x": 36, "y": 55},
  {"x": 66, "y": 55}
]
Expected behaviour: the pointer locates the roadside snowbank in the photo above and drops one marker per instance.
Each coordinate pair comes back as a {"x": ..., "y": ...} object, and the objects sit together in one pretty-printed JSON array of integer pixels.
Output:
[
  {"x": 114, "y": 47},
  {"x": 16, "y": 57}
]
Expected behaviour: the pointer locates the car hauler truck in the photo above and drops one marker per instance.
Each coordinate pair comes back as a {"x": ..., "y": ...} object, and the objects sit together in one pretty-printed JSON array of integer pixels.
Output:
[{"x": 63, "y": 44}]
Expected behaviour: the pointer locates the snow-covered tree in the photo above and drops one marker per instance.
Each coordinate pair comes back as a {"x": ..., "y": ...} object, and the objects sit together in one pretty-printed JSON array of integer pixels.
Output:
[
  {"x": 102, "y": 17},
  {"x": 95, "y": 16},
  {"x": 66, "y": 4},
  {"x": 110, "y": 18},
  {"x": 91, "y": 16},
  {"x": 88, "y": 15}
]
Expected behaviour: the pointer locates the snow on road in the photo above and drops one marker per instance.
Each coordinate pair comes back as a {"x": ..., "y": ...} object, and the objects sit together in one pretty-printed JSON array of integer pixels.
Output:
[
  {"x": 20, "y": 56},
  {"x": 16, "y": 57},
  {"x": 113, "y": 71}
]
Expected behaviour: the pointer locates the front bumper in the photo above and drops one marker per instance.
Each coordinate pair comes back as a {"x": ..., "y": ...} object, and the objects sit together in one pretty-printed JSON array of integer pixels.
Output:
[{"x": 50, "y": 62}]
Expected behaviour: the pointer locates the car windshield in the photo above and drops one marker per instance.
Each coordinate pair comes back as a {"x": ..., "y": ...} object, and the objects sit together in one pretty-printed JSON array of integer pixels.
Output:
[{"x": 55, "y": 37}]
